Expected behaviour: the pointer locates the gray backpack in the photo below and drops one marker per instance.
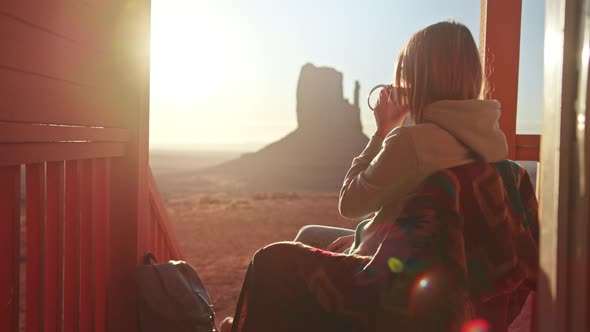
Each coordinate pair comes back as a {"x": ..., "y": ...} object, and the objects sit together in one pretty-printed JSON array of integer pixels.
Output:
[{"x": 171, "y": 297}]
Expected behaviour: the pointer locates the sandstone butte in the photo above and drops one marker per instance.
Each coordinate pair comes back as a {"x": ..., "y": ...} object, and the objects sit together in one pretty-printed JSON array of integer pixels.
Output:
[{"x": 317, "y": 154}]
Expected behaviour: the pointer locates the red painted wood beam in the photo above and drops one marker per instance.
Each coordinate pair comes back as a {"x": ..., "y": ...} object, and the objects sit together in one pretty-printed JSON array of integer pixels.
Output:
[
  {"x": 41, "y": 133},
  {"x": 12, "y": 154},
  {"x": 85, "y": 24},
  {"x": 129, "y": 175},
  {"x": 528, "y": 147},
  {"x": 500, "y": 50},
  {"x": 28, "y": 97},
  {"x": 52, "y": 56}
]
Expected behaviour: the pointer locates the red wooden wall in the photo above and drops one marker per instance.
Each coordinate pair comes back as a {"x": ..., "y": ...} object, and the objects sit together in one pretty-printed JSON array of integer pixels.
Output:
[{"x": 78, "y": 206}]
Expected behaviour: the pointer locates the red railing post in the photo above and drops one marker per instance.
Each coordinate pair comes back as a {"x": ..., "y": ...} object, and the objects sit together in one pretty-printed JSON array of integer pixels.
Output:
[
  {"x": 35, "y": 214},
  {"x": 129, "y": 175},
  {"x": 101, "y": 194},
  {"x": 86, "y": 239},
  {"x": 500, "y": 49},
  {"x": 71, "y": 248},
  {"x": 10, "y": 203},
  {"x": 53, "y": 240}
]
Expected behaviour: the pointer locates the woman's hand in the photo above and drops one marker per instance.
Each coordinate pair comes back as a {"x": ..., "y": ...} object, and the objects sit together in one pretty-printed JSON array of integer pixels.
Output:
[
  {"x": 341, "y": 244},
  {"x": 388, "y": 114}
]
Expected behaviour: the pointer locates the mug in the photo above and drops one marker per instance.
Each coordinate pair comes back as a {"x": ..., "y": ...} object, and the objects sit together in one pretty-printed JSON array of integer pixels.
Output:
[{"x": 389, "y": 87}]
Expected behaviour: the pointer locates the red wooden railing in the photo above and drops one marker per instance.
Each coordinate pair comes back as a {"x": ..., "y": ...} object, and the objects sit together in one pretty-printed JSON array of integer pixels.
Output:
[
  {"x": 55, "y": 208},
  {"x": 161, "y": 237},
  {"x": 500, "y": 50}
]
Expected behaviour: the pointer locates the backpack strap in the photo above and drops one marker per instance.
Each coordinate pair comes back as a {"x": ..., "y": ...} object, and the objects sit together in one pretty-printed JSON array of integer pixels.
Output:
[{"x": 148, "y": 258}]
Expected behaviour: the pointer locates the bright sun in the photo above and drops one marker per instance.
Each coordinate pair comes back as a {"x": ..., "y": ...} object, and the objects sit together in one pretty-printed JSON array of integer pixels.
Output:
[{"x": 191, "y": 53}]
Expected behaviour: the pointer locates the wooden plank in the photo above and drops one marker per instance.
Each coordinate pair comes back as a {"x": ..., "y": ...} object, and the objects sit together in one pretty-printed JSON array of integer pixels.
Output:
[
  {"x": 500, "y": 48},
  {"x": 27, "y": 97},
  {"x": 71, "y": 280},
  {"x": 123, "y": 240},
  {"x": 35, "y": 207},
  {"x": 528, "y": 147},
  {"x": 53, "y": 247},
  {"x": 71, "y": 19},
  {"x": 528, "y": 141},
  {"x": 108, "y": 211},
  {"x": 11, "y": 154},
  {"x": 40, "y": 133},
  {"x": 86, "y": 243},
  {"x": 163, "y": 219},
  {"x": 62, "y": 59},
  {"x": 10, "y": 247},
  {"x": 100, "y": 207},
  {"x": 130, "y": 193}
]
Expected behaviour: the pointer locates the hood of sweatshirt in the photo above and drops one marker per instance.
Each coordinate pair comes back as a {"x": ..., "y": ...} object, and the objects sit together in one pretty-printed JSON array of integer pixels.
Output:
[{"x": 474, "y": 123}]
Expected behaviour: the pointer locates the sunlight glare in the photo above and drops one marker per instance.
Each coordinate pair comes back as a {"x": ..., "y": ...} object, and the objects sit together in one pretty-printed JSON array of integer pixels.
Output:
[{"x": 192, "y": 51}]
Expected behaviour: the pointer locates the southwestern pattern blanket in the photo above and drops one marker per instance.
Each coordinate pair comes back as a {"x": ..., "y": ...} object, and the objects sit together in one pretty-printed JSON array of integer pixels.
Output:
[{"x": 465, "y": 246}]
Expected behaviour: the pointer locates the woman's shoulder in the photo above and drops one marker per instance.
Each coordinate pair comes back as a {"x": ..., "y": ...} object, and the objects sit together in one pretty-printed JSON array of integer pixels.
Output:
[
  {"x": 433, "y": 147},
  {"x": 420, "y": 133}
]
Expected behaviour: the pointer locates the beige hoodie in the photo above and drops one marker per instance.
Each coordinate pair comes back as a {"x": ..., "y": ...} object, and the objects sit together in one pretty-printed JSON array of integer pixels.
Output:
[{"x": 454, "y": 132}]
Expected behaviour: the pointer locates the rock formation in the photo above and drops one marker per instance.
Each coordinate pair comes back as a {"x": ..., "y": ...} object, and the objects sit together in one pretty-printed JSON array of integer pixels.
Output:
[
  {"x": 314, "y": 157},
  {"x": 320, "y": 102}
]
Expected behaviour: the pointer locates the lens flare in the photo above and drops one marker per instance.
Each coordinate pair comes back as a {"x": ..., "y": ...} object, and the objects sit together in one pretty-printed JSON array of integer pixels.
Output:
[
  {"x": 476, "y": 325},
  {"x": 423, "y": 283},
  {"x": 395, "y": 265}
]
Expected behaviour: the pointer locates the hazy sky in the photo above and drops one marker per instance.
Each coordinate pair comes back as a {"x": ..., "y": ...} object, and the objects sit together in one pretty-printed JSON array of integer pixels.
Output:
[{"x": 224, "y": 72}]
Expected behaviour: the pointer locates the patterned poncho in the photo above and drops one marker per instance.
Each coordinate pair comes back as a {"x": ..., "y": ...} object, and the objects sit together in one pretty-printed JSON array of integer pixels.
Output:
[{"x": 465, "y": 247}]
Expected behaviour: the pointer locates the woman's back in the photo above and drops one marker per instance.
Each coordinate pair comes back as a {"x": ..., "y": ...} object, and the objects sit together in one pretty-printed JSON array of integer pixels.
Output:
[
  {"x": 455, "y": 132},
  {"x": 467, "y": 239}
]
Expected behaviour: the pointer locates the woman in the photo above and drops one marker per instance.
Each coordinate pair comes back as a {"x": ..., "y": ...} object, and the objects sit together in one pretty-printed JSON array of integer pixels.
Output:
[
  {"x": 442, "y": 76},
  {"x": 439, "y": 82}
]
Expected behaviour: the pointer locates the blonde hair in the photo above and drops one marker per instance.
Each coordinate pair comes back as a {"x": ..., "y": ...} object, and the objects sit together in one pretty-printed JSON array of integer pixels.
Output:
[{"x": 440, "y": 62}]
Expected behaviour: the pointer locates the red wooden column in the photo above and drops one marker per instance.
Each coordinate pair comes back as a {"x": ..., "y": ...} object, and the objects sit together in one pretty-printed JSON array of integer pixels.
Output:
[
  {"x": 71, "y": 281},
  {"x": 9, "y": 246},
  {"x": 101, "y": 194},
  {"x": 35, "y": 183},
  {"x": 129, "y": 175},
  {"x": 85, "y": 241},
  {"x": 500, "y": 50},
  {"x": 53, "y": 241}
]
